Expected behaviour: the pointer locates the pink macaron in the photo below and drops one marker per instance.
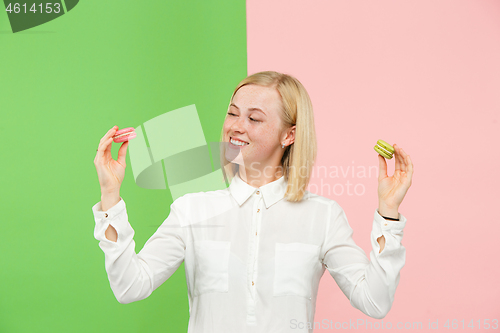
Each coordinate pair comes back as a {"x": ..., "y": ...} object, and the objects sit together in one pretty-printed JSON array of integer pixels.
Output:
[{"x": 124, "y": 135}]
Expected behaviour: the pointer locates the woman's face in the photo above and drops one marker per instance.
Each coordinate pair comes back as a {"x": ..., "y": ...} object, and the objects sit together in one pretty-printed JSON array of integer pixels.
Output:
[{"x": 254, "y": 117}]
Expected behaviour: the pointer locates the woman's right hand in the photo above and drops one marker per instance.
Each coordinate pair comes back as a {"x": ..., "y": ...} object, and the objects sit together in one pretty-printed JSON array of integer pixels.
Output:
[{"x": 109, "y": 171}]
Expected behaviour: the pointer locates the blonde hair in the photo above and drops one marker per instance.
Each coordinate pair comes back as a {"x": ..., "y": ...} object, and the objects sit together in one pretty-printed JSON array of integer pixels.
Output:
[{"x": 296, "y": 110}]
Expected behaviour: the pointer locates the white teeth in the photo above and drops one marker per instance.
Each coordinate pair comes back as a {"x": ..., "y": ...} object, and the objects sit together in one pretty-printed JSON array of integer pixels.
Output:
[{"x": 238, "y": 143}]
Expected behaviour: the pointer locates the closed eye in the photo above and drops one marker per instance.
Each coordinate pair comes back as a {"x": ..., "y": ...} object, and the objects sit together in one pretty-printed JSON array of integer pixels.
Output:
[{"x": 232, "y": 114}]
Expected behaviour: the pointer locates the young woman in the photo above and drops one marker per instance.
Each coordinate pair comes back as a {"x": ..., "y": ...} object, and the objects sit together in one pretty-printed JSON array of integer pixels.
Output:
[{"x": 254, "y": 253}]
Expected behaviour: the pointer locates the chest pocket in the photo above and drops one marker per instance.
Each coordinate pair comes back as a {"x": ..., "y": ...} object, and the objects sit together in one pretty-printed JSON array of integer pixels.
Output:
[
  {"x": 294, "y": 269},
  {"x": 211, "y": 267}
]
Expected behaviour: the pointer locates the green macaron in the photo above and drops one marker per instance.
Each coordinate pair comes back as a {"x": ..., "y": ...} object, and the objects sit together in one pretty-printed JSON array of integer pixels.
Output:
[{"x": 384, "y": 149}]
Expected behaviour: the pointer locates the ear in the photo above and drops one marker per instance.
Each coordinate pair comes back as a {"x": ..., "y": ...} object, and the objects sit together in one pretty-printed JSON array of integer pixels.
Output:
[{"x": 290, "y": 135}]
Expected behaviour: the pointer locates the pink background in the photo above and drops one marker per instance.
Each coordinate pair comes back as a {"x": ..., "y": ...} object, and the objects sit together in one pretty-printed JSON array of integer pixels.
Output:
[{"x": 425, "y": 75}]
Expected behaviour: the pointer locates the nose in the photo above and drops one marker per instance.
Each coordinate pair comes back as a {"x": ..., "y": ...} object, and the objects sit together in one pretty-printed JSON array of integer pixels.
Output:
[{"x": 237, "y": 125}]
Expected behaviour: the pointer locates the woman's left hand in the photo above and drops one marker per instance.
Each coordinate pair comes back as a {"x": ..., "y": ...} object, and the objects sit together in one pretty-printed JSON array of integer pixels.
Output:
[{"x": 392, "y": 190}]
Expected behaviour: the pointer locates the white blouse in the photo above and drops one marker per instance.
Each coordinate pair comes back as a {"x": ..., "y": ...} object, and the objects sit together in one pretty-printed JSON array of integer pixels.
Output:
[{"x": 253, "y": 260}]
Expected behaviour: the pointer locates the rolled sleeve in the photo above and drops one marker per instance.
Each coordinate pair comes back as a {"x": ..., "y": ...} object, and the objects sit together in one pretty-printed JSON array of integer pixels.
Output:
[
  {"x": 132, "y": 276},
  {"x": 392, "y": 232},
  {"x": 370, "y": 285},
  {"x": 116, "y": 216}
]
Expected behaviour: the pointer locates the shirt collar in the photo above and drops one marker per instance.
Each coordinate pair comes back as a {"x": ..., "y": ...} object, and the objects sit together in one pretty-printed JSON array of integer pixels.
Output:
[{"x": 272, "y": 192}]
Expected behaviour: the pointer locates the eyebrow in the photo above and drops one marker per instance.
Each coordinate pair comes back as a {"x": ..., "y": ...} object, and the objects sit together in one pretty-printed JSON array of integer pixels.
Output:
[{"x": 249, "y": 109}]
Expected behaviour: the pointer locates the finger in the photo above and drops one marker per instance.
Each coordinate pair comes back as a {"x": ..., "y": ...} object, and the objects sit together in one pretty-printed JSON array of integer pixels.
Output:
[
  {"x": 403, "y": 155},
  {"x": 382, "y": 167},
  {"x": 409, "y": 164},
  {"x": 104, "y": 147},
  {"x": 402, "y": 159},
  {"x": 410, "y": 168},
  {"x": 111, "y": 132},
  {"x": 398, "y": 166},
  {"x": 122, "y": 152},
  {"x": 109, "y": 144}
]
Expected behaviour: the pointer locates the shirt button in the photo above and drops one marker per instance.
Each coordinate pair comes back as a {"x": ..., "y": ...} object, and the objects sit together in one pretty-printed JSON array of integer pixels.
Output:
[
  {"x": 256, "y": 233},
  {"x": 385, "y": 224},
  {"x": 258, "y": 210},
  {"x": 258, "y": 192},
  {"x": 105, "y": 214},
  {"x": 252, "y": 283}
]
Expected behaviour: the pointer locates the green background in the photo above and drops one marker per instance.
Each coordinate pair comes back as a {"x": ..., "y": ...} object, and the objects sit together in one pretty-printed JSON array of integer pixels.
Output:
[{"x": 63, "y": 85}]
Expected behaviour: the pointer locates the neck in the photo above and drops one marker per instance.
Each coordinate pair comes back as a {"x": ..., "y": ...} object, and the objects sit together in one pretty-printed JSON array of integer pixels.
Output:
[{"x": 259, "y": 178}]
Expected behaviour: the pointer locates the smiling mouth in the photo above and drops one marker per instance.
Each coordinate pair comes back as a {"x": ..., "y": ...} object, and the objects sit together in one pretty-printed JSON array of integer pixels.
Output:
[{"x": 237, "y": 143}]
